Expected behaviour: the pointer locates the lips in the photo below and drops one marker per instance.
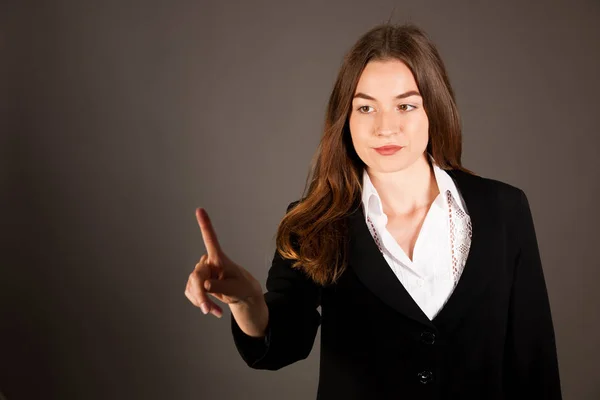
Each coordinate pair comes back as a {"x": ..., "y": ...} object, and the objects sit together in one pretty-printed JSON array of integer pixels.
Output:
[{"x": 388, "y": 150}]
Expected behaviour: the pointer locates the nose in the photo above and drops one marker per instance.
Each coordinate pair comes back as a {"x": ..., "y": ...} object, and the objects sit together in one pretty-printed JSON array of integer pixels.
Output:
[{"x": 388, "y": 123}]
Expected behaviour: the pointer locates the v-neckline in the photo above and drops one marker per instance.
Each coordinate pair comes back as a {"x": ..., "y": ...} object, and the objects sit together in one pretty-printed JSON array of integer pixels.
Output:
[
  {"x": 371, "y": 268},
  {"x": 418, "y": 240}
]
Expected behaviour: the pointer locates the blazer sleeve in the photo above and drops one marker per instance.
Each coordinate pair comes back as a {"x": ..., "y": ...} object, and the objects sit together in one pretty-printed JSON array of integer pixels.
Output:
[
  {"x": 292, "y": 299},
  {"x": 531, "y": 357}
]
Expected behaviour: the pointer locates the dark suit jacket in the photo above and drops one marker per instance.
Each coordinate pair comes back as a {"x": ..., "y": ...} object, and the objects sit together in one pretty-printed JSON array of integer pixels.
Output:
[{"x": 494, "y": 338}]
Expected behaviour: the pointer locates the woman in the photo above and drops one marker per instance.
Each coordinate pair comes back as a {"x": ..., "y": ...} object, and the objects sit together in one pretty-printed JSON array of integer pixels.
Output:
[{"x": 428, "y": 276}]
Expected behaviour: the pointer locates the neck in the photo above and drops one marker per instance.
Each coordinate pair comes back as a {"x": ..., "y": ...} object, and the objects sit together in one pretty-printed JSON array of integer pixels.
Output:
[{"x": 406, "y": 191}]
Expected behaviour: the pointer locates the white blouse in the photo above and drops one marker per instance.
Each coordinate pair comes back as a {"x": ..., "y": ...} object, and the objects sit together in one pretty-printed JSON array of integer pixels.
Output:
[{"x": 441, "y": 248}]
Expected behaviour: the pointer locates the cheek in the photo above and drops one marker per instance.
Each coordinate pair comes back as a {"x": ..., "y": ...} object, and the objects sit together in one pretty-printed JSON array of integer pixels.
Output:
[
  {"x": 418, "y": 129},
  {"x": 362, "y": 126},
  {"x": 359, "y": 134},
  {"x": 417, "y": 122}
]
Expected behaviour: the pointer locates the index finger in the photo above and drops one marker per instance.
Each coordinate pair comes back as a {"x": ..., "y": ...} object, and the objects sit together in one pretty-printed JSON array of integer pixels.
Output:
[{"x": 208, "y": 233}]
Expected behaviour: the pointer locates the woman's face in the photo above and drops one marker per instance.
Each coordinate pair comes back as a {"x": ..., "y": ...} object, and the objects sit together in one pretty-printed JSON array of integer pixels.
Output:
[{"x": 387, "y": 109}]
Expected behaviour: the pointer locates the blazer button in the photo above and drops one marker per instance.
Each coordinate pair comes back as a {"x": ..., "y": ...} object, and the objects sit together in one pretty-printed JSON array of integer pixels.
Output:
[
  {"x": 428, "y": 337},
  {"x": 425, "y": 377}
]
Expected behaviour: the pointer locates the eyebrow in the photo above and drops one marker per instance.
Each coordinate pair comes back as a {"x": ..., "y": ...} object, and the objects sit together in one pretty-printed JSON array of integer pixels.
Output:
[{"x": 400, "y": 96}]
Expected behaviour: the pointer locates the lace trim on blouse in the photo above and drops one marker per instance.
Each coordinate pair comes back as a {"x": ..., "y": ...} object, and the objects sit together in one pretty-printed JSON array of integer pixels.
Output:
[{"x": 460, "y": 236}]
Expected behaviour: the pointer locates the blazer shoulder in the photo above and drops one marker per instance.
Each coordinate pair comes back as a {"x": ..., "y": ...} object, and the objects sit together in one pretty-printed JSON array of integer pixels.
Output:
[
  {"x": 503, "y": 190},
  {"x": 500, "y": 194}
]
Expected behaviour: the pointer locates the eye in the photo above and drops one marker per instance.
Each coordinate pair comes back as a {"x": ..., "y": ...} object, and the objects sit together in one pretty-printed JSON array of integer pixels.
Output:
[
  {"x": 361, "y": 109},
  {"x": 406, "y": 105}
]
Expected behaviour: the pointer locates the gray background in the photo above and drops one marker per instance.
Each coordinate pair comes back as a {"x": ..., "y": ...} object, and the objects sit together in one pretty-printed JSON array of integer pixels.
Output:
[{"x": 119, "y": 118}]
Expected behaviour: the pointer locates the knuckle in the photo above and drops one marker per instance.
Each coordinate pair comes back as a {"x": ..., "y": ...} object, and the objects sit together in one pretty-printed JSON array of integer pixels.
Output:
[
  {"x": 199, "y": 270},
  {"x": 190, "y": 298}
]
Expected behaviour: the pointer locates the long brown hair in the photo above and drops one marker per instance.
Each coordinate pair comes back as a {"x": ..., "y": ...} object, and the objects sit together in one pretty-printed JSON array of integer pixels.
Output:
[{"x": 313, "y": 232}]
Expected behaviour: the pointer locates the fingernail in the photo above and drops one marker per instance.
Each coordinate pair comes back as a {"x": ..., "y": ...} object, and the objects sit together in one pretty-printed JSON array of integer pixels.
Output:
[{"x": 204, "y": 308}]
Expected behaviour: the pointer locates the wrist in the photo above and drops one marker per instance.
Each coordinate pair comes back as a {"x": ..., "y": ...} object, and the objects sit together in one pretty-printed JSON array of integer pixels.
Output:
[
  {"x": 249, "y": 303},
  {"x": 252, "y": 315}
]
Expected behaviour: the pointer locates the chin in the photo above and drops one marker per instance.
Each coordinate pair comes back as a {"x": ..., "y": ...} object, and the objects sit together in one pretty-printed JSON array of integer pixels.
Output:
[{"x": 389, "y": 167}]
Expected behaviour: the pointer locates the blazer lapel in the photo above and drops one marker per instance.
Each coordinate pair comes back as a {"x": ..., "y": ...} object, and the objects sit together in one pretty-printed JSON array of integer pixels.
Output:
[
  {"x": 373, "y": 270},
  {"x": 477, "y": 272}
]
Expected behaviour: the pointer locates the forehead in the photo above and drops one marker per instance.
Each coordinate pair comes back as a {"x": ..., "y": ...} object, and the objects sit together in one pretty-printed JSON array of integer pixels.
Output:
[{"x": 386, "y": 78}]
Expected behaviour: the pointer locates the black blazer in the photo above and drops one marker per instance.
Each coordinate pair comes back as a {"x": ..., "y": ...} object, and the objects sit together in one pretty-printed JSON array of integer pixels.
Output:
[{"x": 494, "y": 338}]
